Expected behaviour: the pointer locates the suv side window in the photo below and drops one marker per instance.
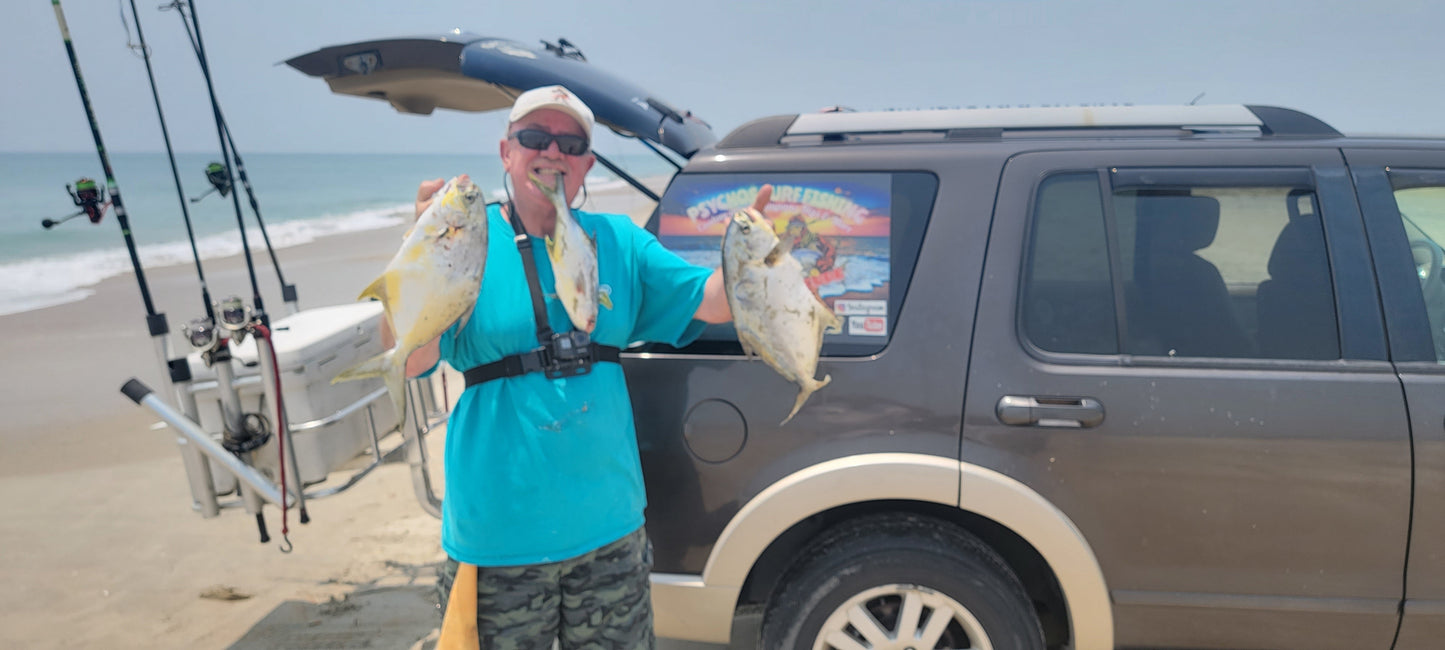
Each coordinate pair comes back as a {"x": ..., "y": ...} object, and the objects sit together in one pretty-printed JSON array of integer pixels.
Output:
[
  {"x": 1207, "y": 263},
  {"x": 857, "y": 235},
  {"x": 1068, "y": 301},
  {"x": 1420, "y": 197}
]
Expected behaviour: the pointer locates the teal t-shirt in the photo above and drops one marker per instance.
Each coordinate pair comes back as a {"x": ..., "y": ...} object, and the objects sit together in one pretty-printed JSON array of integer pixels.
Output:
[{"x": 542, "y": 470}]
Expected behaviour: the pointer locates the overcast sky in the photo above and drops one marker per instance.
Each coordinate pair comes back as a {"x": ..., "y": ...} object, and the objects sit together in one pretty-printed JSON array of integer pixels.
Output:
[{"x": 1364, "y": 67}]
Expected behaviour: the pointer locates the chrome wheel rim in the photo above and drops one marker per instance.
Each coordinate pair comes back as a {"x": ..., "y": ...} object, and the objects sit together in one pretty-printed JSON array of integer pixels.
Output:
[{"x": 901, "y": 617}]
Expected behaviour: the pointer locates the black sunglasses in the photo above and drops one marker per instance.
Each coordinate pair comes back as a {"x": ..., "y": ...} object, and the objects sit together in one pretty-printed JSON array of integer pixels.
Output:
[{"x": 537, "y": 140}]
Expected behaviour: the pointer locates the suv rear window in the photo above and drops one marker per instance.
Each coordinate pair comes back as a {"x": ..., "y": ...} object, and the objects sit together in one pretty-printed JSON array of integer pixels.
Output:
[
  {"x": 1205, "y": 263},
  {"x": 856, "y": 234}
]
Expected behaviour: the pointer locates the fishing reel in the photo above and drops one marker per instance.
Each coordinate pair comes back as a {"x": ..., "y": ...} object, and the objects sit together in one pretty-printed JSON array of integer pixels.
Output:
[
  {"x": 235, "y": 317},
  {"x": 200, "y": 333},
  {"x": 219, "y": 179},
  {"x": 87, "y": 196},
  {"x": 234, "y": 323}
]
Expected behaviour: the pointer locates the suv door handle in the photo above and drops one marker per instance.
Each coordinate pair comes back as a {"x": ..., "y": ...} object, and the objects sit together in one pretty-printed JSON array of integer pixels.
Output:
[{"x": 1064, "y": 412}]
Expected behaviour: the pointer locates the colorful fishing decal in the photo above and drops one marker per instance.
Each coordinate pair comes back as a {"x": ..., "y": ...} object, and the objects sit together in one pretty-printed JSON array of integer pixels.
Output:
[{"x": 839, "y": 230}]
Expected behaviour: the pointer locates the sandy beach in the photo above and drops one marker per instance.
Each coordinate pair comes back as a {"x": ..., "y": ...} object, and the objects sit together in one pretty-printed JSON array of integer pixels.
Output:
[{"x": 102, "y": 548}]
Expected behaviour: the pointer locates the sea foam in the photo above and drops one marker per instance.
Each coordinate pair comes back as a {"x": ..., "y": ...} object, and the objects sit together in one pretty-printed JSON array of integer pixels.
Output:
[{"x": 48, "y": 281}]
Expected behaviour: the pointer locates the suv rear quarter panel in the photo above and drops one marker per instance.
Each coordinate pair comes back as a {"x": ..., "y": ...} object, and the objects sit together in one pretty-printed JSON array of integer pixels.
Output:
[{"x": 905, "y": 399}]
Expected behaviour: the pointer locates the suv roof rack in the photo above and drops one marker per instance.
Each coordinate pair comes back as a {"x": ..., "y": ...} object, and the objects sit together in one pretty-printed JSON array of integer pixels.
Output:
[{"x": 1077, "y": 121}]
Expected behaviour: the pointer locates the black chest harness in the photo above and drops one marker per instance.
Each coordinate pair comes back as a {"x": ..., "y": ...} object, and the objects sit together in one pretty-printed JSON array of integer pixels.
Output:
[{"x": 558, "y": 355}]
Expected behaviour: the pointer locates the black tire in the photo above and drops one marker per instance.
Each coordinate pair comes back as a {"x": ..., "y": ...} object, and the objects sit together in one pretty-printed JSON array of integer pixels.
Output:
[{"x": 886, "y": 561}]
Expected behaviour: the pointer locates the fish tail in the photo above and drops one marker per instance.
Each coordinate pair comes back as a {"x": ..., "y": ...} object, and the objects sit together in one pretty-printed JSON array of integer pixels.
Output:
[
  {"x": 396, "y": 385},
  {"x": 383, "y": 365},
  {"x": 377, "y": 290},
  {"x": 806, "y": 390}
]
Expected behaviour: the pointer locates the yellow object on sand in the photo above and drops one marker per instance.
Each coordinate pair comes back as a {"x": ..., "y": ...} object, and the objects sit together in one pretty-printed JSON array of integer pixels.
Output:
[{"x": 459, "y": 624}]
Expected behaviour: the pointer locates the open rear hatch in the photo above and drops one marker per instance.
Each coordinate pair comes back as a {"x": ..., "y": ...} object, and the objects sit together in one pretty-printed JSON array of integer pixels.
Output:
[{"x": 466, "y": 72}]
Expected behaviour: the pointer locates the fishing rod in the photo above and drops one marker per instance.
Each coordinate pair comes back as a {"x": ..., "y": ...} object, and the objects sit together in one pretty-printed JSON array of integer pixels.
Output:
[
  {"x": 155, "y": 321},
  {"x": 223, "y": 184},
  {"x": 259, "y": 308},
  {"x": 171, "y": 155},
  {"x": 234, "y": 318}
]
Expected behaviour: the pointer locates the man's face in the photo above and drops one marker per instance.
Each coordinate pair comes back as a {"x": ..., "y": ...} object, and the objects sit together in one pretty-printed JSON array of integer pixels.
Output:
[{"x": 520, "y": 161}]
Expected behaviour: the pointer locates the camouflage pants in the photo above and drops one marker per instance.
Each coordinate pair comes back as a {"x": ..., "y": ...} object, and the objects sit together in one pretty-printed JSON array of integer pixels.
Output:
[{"x": 597, "y": 601}]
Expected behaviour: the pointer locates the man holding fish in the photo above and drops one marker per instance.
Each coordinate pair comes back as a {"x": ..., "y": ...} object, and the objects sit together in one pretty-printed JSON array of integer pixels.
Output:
[{"x": 542, "y": 520}]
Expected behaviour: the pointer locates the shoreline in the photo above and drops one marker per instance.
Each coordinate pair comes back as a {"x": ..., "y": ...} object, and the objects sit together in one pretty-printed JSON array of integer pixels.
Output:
[{"x": 113, "y": 262}]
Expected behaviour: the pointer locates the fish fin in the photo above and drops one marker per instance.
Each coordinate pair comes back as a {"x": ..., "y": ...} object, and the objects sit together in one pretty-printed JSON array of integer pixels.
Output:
[
  {"x": 747, "y": 350},
  {"x": 809, "y": 387},
  {"x": 373, "y": 367},
  {"x": 383, "y": 365},
  {"x": 830, "y": 322},
  {"x": 781, "y": 250},
  {"x": 377, "y": 289},
  {"x": 395, "y": 377}
]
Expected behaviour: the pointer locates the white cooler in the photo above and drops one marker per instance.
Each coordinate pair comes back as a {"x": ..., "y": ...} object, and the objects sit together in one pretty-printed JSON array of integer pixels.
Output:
[{"x": 311, "y": 347}]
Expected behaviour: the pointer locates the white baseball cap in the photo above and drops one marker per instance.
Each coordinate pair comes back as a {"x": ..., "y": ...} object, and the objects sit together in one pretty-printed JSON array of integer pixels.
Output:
[{"x": 556, "y": 98}]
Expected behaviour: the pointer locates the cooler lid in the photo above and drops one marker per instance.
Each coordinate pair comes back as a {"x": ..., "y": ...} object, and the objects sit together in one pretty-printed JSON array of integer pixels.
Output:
[{"x": 466, "y": 72}]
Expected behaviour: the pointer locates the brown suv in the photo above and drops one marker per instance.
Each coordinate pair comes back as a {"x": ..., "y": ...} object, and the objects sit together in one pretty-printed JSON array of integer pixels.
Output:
[
  {"x": 1156, "y": 377},
  {"x": 1149, "y": 377}
]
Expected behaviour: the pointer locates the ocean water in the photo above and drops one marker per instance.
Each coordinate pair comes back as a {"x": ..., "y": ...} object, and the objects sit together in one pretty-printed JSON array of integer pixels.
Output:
[{"x": 302, "y": 197}]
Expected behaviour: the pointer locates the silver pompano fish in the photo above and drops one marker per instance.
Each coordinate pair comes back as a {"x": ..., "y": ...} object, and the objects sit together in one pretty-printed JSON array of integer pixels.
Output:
[
  {"x": 574, "y": 260},
  {"x": 430, "y": 283},
  {"x": 777, "y": 316}
]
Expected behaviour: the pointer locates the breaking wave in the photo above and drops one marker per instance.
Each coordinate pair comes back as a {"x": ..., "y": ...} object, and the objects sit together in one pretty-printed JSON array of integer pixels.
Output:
[{"x": 48, "y": 281}]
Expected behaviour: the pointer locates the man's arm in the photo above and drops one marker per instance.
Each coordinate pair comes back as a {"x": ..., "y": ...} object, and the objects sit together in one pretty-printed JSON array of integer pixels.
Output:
[
  {"x": 421, "y": 360},
  {"x": 714, "y": 307}
]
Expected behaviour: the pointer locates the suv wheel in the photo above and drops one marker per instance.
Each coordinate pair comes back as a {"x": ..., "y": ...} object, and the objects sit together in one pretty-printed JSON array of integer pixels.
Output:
[{"x": 900, "y": 582}]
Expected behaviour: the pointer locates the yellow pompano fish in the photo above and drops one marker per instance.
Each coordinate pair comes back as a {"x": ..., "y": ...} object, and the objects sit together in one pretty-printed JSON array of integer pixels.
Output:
[
  {"x": 574, "y": 261},
  {"x": 430, "y": 283},
  {"x": 778, "y": 318}
]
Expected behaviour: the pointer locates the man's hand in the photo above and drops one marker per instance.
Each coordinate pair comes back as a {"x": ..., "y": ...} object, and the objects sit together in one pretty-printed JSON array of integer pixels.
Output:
[
  {"x": 425, "y": 191},
  {"x": 714, "y": 307},
  {"x": 764, "y": 195}
]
